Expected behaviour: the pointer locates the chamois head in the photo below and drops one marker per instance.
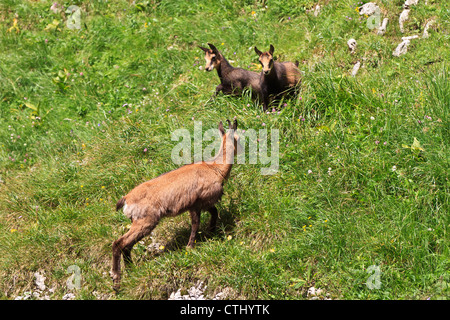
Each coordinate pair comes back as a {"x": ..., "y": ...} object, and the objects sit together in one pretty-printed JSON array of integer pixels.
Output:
[
  {"x": 231, "y": 137},
  {"x": 212, "y": 57},
  {"x": 266, "y": 59}
]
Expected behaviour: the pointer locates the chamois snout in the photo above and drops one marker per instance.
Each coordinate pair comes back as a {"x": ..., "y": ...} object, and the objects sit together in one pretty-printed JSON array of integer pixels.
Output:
[{"x": 266, "y": 60}]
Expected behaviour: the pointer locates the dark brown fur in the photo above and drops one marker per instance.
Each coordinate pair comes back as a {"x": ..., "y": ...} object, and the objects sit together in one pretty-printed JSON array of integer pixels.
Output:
[
  {"x": 193, "y": 187},
  {"x": 232, "y": 80},
  {"x": 276, "y": 78},
  {"x": 120, "y": 204}
]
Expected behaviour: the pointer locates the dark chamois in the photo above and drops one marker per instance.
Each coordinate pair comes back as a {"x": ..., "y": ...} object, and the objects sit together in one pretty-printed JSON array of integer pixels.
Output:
[
  {"x": 193, "y": 187},
  {"x": 277, "y": 78},
  {"x": 232, "y": 80}
]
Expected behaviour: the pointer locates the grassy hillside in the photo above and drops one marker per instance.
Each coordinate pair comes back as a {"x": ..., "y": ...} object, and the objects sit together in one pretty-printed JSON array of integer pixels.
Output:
[{"x": 86, "y": 114}]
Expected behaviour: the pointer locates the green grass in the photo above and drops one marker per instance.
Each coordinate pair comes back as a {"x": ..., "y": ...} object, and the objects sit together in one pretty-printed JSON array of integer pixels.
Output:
[{"x": 78, "y": 108}]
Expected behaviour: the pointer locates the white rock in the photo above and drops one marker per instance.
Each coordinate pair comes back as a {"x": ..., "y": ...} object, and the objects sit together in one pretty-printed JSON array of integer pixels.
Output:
[
  {"x": 316, "y": 11},
  {"x": 315, "y": 293},
  {"x": 356, "y": 68},
  {"x": 26, "y": 296},
  {"x": 409, "y": 3},
  {"x": 176, "y": 295},
  {"x": 402, "y": 48},
  {"x": 403, "y": 17},
  {"x": 410, "y": 37},
  {"x": 368, "y": 8},
  {"x": 351, "y": 45},
  {"x": 196, "y": 293},
  {"x": 68, "y": 296},
  {"x": 425, "y": 30},
  {"x": 382, "y": 28}
]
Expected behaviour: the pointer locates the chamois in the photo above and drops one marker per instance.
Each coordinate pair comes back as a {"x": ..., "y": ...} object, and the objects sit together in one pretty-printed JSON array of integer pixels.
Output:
[
  {"x": 277, "y": 78},
  {"x": 232, "y": 80},
  {"x": 194, "y": 187}
]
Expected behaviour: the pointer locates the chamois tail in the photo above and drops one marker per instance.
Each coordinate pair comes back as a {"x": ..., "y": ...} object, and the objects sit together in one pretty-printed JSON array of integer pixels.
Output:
[
  {"x": 296, "y": 63},
  {"x": 120, "y": 204}
]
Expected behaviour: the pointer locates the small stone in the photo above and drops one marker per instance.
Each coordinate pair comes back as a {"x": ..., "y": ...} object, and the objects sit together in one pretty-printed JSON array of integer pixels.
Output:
[
  {"x": 402, "y": 48},
  {"x": 68, "y": 296},
  {"x": 39, "y": 282},
  {"x": 409, "y": 3},
  {"x": 410, "y": 37},
  {"x": 316, "y": 10}
]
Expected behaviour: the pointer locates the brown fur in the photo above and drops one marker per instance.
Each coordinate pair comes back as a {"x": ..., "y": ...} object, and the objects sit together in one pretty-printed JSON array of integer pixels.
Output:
[
  {"x": 277, "y": 78},
  {"x": 232, "y": 80},
  {"x": 193, "y": 187}
]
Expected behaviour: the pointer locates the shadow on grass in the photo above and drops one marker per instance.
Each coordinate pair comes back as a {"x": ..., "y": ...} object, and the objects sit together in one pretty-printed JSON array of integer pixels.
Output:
[{"x": 180, "y": 233}]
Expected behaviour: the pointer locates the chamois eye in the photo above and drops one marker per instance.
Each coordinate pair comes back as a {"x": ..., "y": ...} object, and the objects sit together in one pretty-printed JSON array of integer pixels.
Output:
[{"x": 213, "y": 59}]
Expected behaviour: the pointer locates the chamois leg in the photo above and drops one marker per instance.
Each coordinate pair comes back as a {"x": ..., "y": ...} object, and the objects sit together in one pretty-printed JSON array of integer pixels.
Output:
[
  {"x": 216, "y": 92},
  {"x": 213, "y": 221},
  {"x": 195, "y": 220},
  {"x": 139, "y": 229},
  {"x": 219, "y": 88},
  {"x": 266, "y": 101}
]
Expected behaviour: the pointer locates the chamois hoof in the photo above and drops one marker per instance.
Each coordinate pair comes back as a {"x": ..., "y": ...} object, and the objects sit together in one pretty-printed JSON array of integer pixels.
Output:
[
  {"x": 116, "y": 281},
  {"x": 116, "y": 286}
]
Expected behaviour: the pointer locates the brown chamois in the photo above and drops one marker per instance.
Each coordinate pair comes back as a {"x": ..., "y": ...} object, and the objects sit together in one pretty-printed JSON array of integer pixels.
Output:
[
  {"x": 232, "y": 80},
  {"x": 277, "y": 78},
  {"x": 193, "y": 187}
]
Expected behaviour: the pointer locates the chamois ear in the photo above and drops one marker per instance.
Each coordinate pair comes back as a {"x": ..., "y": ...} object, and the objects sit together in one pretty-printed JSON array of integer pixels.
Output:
[
  {"x": 221, "y": 129},
  {"x": 258, "y": 52},
  {"x": 213, "y": 48},
  {"x": 272, "y": 49},
  {"x": 204, "y": 49}
]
